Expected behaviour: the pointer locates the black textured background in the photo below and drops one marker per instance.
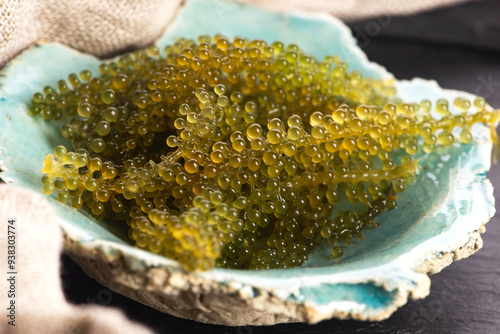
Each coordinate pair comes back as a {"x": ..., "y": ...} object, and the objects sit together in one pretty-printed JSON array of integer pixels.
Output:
[{"x": 460, "y": 48}]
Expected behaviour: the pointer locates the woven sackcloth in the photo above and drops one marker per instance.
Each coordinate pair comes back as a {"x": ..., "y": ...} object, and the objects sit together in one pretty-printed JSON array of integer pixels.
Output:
[
  {"x": 40, "y": 305},
  {"x": 100, "y": 28}
]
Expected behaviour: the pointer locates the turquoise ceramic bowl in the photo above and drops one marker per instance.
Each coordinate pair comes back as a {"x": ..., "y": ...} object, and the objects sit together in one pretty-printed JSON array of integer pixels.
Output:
[{"x": 439, "y": 218}]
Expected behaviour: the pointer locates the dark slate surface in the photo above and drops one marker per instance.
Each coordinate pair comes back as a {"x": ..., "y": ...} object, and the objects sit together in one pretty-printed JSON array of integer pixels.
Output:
[
  {"x": 464, "y": 298},
  {"x": 473, "y": 23}
]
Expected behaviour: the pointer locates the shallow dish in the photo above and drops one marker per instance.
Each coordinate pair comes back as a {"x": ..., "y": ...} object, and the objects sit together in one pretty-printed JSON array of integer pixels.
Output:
[{"x": 439, "y": 220}]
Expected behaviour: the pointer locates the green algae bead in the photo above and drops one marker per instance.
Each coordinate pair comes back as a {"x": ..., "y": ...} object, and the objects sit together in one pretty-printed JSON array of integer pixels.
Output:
[
  {"x": 384, "y": 118},
  {"x": 239, "y": 144},
  {"x": 108, "y": 96},
  {"x": 425, "y": 132},
  {"x": 411, "y": 148},
  {"x": 191, "y": 166},
  {"x": 236, "y": 97},
  {"x": 390, "y": 108},
  {"x": 462, "y": 104},
  {"x": 445, "y": 138},
  {"x": 73, "y": 80},
  {"x": 465, "y": 136},
  {"x": 97, "y": 145},
  {"x": 77, "y": 203},
  {"x": 50, "y": 99},
  {"x": 404, "y": 109},
  {"x": 223, "y": 101},
  {"x": 391, "y": 203},
  {"x": 250, "y": 107},
  {"x": 68, "y": 131},
  {"x": 59, "y": 183},
  {"x": 95, "y": 164},
  {"x": 294, "y": 120},
  {"x": 91, "y": 184},
  {"x": 172, "y": 141},
  {"x": 72, "y": 183},
  {"x": 38, "y": 98},
  {"x": 48, "y": 188},
  {"x": 337, "y": 251},
  {"x": 294, "y": 133},
  {"x": 316, "y": 118},
  {"x": 362, "y": 111},
  {"x": 204, "y": 97},
  {"x": 120, "y": 81},
  {"x": 428, "y": 148},
  {"x": 85, "y": 75},
  {"x": 184, "y": 109},
  {"x": 404, "y": 122},
  {"x": 209, "y": 112},
  {"x": 326, "y": 232},
  {"x": 60, "y": 151},
  {"x": 220, "y": 89},
  {"x": 84, "y": 110},
  {"x": 63, "y": 197},
  {"x": 62, "y": 86},
  {"x": 110, "y": 114},
  {"x": 290, "y": 149},
  {"x": 318, "y": 132},
  {"x": 442, "y": 108},
  {"x": 254, "y": 215},
  {"x": 103, "y": 128},
  {"x": 398, "y": 186},
  {"x": 274, "y": 136},
  {"x": 425, "y": 106},
  {"x": 479, "y": 103},
  {"x": 254, "y": 131}
]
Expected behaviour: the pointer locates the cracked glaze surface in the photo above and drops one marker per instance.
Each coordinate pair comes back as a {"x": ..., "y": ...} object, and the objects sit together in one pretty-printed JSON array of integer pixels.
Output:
[{"x": 439, "y": 219}]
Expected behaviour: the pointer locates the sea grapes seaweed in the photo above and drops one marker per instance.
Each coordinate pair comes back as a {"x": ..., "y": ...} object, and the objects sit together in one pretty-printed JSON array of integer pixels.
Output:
[{"x": 235, "y": 154}]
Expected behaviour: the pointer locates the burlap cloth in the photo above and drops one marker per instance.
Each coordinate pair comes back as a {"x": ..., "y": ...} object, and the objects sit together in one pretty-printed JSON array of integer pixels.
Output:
[{"x": 101, "y": 28}]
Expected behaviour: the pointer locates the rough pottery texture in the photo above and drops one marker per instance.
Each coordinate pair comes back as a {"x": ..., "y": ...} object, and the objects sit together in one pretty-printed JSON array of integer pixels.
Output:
[
  {"x": 439, "y": 220},
  {"x": 186, "y": 296}
]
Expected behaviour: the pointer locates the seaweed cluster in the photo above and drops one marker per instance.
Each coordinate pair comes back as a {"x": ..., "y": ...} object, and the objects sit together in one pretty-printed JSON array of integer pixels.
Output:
[{"x": 236, "y": 153}]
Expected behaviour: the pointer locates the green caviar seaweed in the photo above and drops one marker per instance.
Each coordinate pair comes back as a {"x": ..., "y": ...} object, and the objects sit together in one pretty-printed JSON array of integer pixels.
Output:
[{"x": 236, "y": 153}]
